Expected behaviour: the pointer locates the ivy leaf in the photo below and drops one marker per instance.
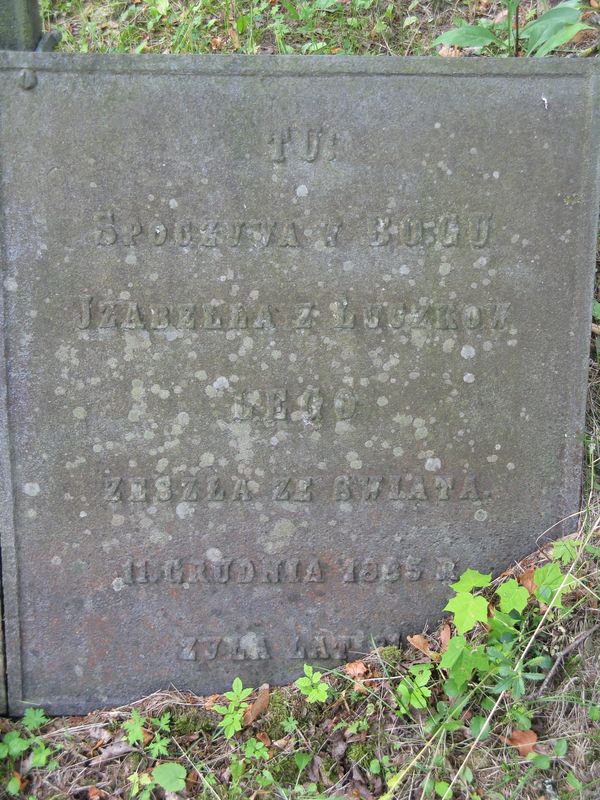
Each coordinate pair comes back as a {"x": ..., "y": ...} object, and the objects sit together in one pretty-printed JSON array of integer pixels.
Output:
[
  {"x": 549, "y": 583},
  {"x": 468, "y": 611},
  {"x": 460, "y": 659},
  {"x": 471, "y": 579},
  {"x": 512, "y": 596},
  {"x": 565, "y": 551},
  {"x": 170, "y": 776}
]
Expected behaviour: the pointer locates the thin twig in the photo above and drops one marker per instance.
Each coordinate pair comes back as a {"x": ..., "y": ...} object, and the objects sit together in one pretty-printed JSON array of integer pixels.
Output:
[{"x": 578, "y": 640}]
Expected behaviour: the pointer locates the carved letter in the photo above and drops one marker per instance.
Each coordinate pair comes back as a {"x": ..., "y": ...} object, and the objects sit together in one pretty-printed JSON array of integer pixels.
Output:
[
  {"x": 279, "y": 139},
  {"x": 500, "y": 311},
  {"x": 85, "y": 317},
  {"x": 108, "y": 315},
  {"x": 276, "y": 404},
  {"x": 208, "y": 234},
  {"x": 342, "y": 317},
  {"x": 186, "y": 313},
  {"x": 342, "y": 490},
  {"x": 214, "y": 490},
  {"x": 288, "y": 237},
  {"x": 344, "y": 404},
  {"x": 302, "y": 315},
  {"x": 105, "y": 230},
  {"x": 469, "y": 490},
  {"x": 112, "y": 490},
  {"x": 479, "y": 229},
  {"x": 379, "y": 231},
  {"x": 311, "y": 403},
  {"x": 159, "y": 317},
  {"x": 132, "y": 317}
]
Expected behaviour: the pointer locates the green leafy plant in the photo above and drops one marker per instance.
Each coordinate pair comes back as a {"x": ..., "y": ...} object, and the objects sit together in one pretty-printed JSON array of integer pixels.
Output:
[
  {"x": 170, "y": 776},
  {"x": 233, "y": 713},
  {"x": 256, "y": 749},
  {"x": 302, "y": 759},
  {"x": 134, "y": 728},
  {"x": 141, "y": 785},
  {"x": 412, "y": 691},
  {"x": 469, "y": 609},
  {"x": 551, "y": 584},
  {"x": 312, "y": 687},
  {"x": 15, "y": 747},
  {"x": 34, "y": 719},
  {"x": 541, "y": 36}
]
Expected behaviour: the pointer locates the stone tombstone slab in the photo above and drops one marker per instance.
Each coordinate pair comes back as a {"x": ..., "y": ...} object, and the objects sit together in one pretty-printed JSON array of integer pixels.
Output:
[
  {"x": 20, "y": 24},
  {"x": 289, "y": 344}
]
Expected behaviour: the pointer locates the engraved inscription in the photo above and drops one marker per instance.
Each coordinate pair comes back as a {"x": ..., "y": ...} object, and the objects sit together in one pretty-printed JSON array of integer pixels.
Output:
[
  {"x": 341, "y": 488},
  {"x": 411, "y": 230},
  {"x": 326, "y": 646},
  {"x": 96, "y": 313},
  {"x": 286, "y": 570},
  {"x": 303, "y": 143}
]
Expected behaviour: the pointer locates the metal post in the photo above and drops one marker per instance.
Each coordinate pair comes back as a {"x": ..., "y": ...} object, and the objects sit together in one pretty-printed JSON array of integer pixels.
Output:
[{"x": 20, "y": 24}]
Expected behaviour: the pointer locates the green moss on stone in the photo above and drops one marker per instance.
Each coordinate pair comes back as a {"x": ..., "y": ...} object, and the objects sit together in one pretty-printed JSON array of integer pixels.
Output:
[
  {"x": 280, "y": 708},
  {"x": 195, "y": 720},
  {"x": 284, "y": 770},
  {"x": 391, "y": 656},
  {"x": 360, "y": 753}
]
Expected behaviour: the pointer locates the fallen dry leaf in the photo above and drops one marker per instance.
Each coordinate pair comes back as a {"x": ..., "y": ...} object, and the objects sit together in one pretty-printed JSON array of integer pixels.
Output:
[
  {"x": 582, "y": 36},
  {"x": 526, "y": 580},
  {"x": 445, "y": 635},
  {"x": 114, "y": 750},
  {"x": 355, "y": 669},
  {"x": 211, "y": 701},
  {"x": 147, "y": 736},
  {"x": 282, "y": 743},
  {"x": 259, "y": 706},
  {"x": 522, "y": 740},
  {"x": 264, "y": 737},
  {"x": 448, "y": 51},
  {"x": 421, "y": 643}
]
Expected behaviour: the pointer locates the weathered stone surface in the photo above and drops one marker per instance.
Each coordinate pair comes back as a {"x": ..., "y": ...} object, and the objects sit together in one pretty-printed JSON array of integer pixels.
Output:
[
  {"x": 289, "y": 343},
  {"x": 20, "y": 24}
]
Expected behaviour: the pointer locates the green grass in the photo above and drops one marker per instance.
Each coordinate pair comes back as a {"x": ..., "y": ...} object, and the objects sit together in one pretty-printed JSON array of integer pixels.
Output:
[
  {"x": 366, "y": 27},
  {"x": 363, "y": 27}
]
